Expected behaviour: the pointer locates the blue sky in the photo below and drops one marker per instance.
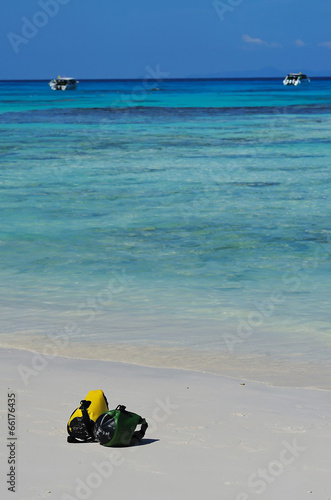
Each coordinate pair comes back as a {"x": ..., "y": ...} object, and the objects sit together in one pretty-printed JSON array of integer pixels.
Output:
[{"x": 184, "y": 38}]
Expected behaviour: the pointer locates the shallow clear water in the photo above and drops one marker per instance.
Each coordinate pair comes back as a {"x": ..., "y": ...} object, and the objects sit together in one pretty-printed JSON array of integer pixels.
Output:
[{"x": 194, "y": 215}]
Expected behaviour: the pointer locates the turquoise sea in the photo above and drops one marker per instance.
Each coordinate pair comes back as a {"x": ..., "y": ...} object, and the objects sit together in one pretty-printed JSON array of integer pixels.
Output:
[{"x": 187, "y": 215}]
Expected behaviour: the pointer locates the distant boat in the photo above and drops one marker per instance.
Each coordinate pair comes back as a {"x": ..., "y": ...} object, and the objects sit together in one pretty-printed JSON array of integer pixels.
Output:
[
  {"x": 63, "y": 83},
  {"x": 295, "y": 79}
]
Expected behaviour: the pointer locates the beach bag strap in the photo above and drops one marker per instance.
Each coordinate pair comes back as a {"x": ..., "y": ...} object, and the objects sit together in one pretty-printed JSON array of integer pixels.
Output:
[
  {"x": 139, "y": 434},
  {"x": 87, "y": 421},
  {"x": 86, "y": 418}
]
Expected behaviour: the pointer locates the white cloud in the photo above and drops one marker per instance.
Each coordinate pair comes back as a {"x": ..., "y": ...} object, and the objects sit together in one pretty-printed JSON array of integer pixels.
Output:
[
  {"x": 325, "y": 44},
  {"x": 258, "y": 41},
  {"x": 249, "y": 39},
  {"x": 299, "y": 43}
]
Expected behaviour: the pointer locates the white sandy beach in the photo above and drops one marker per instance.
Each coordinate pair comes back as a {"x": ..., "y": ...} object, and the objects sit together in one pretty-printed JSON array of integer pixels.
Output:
[{"x": 209, "y": 437}]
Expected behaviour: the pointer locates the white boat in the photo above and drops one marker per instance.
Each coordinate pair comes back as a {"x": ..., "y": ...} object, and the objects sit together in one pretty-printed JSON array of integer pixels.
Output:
[
  {"x": 295, "y": 79},
  {"x": 63, "y": 83}
]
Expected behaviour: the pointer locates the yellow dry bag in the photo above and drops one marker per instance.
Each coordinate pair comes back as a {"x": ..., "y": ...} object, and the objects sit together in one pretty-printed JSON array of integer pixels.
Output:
[{"x": 81, "y": 422}]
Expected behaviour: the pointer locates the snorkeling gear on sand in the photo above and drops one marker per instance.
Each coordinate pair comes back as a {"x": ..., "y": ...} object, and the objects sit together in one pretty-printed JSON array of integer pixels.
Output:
[
  {"x": 117, "y": 427},
  {"x": 82, "y": 420},
  {"x": 92, "y": 421}
]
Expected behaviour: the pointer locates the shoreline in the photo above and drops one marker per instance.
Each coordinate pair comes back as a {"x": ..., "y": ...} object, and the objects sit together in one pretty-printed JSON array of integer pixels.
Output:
[
  {"x": 206, "y": 433},
  {"x": 255, "y": 368}
]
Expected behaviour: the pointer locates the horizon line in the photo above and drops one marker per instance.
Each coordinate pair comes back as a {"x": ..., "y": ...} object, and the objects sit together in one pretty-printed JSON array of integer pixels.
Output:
[{"x": 163, "y": 79}]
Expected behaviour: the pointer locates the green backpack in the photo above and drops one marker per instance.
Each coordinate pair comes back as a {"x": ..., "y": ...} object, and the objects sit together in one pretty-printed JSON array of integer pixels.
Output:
[{"x": 118, "y": 427}]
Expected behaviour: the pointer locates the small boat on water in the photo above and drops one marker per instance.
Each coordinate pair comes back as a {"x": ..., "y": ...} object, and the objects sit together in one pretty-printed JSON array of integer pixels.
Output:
[
  {"x": 295, "y": 79},
  {"x": 63, "y": 83}
]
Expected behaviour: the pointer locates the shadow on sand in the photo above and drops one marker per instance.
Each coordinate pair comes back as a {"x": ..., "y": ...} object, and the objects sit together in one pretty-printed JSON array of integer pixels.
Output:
[{"x": 146, "y": 441}]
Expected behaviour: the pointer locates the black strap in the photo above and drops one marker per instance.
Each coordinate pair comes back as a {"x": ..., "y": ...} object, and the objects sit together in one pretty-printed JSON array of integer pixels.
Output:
[
  {"x": 122, "y": 409},
  {"x": 86, "y": 418},
  {"x": 88, "y": 424},
  {"x": 138, "y": 435}
]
